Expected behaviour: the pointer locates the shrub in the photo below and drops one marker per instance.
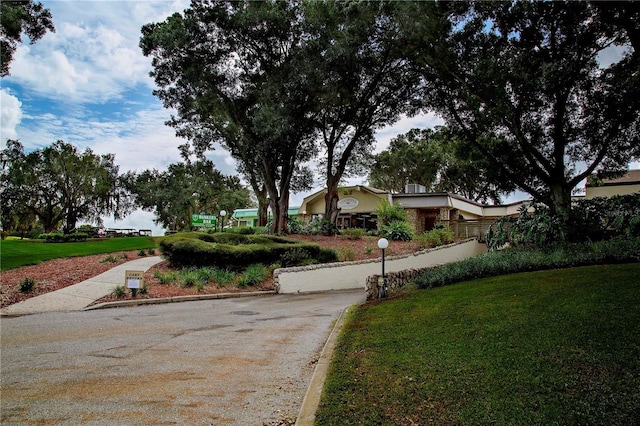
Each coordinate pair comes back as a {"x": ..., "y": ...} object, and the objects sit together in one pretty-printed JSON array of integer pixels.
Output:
[
  {"x": 165, "y": 278},
  {"x": 222, "y": 277},
  {"x": 119, "y": 291},
  {"x": 151, "y": 252},
  {"x": 295, "y": 226},
  {"x": 184, "y": 250},
  {"x": 295, "y": 257},
  {"x": 190, "y": 278},
  {"x": 253, "y": 275},
  {"x": 589, "y": 220},
  {"x": 353, "y": 233},
  {"x": 388, "y": 213},
  {"x": 398, "y": 231},
  {"x": 27, "y": 285},
  {"x": 346, "y": 254},
  {"x": 513, "y": 260},
  {"x": 142, "y": 252},
  {"x": 438, "y": 236},
  {"x": 246, "y": 230},
  {"x": 58, "y": 237}
]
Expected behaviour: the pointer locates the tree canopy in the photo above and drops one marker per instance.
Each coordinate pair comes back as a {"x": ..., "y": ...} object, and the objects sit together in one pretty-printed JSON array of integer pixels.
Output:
[
  {"x": 437, "y": 160},
  {"x": 233, "y": 72},
  {"x": 18, "y": 17},
  {"x": 184, "y": 189},
  {"x": 60, "y": 186},
  {"x": 521, "y": 84},
  {"x": 365, "y": 83}
]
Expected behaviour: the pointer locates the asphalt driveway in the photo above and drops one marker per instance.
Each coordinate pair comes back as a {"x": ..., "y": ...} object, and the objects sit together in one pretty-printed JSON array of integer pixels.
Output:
[{"x": 245, "y": 361}]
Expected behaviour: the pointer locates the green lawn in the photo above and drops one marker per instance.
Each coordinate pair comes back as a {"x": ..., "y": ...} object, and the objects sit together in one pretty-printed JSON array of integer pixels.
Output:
[
  {"x": 539, "y": 348},
  {"x": 15, "y": 253}
]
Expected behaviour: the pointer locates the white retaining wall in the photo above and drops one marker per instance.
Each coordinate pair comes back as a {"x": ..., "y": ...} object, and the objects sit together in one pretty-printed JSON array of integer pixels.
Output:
[{"x": 353, "y": 275}]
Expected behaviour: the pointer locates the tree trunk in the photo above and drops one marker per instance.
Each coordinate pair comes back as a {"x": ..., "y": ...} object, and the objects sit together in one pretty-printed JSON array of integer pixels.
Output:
[
  {"x": 331, "y": 209},
  {"x": 560, "y": 206},
  {"x": 331, "y": 198}
]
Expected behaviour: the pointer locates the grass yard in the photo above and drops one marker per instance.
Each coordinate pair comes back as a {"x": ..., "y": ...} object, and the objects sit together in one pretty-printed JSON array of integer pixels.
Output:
[
  {"x": 15, "y": 253},
  {"x": 552, "y": 347}
]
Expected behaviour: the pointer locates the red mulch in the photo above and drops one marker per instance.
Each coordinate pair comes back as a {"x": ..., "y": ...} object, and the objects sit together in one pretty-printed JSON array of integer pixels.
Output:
[{"x": 59, "y": 273}]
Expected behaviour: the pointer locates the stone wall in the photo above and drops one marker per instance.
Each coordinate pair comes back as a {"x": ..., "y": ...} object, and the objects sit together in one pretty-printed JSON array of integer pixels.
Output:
[{"x": 395, "y": 281}]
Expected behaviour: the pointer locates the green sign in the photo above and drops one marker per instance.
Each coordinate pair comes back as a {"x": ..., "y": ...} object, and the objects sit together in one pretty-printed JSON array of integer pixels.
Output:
[{"x": 203, "y": 221}]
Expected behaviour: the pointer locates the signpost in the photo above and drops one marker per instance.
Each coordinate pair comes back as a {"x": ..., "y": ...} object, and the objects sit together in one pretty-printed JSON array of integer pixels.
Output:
[
  {"x": 134, "y": 280},
  {"x": 203, "y": 221}
]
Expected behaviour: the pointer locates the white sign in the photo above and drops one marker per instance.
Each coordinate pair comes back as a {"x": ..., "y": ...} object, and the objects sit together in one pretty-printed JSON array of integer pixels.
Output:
[
  {"x": 348, "y": 203},
  {"x": 133, "y": 279}
]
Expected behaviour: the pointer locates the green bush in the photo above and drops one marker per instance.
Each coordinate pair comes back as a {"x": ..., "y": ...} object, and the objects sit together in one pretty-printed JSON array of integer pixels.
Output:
[
  {"x": 119, "y": 291},
  {"x": 165, "y": 278},
  {"x": 27, "y": 285},
  {"x": 58, "y": 237},
  {"x": 295, "y": 257},
  {"x": 594, "y": 219},
  {"x": 438, "y": 236},
  {"x": 346, "y": 254},
  {"x": 253, "y": 275},
  {"x": 247, "y": 230},
  {"x": 197, "y": 249},
  {"x": 513, "y": 260},
  {"x": 353, "y": 233},
  {"x": 398, "y": 231},
  {"x": 222, "y": 277},
  {"x": 388, "y": 213}
]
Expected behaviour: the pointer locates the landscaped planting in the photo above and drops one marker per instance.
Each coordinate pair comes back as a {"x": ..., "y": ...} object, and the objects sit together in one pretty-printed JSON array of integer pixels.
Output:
[
  {"x": 618, "y": 250},
  {"x": 236, "y": 251}
]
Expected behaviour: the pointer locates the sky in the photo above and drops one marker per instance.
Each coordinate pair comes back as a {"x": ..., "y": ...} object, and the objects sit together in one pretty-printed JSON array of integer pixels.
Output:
[{"x": 88, "y": 84}]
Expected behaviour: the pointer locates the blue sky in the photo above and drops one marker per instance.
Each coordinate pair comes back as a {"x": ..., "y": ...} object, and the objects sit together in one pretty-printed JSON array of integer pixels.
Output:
[{"x": 88, "y": 84}]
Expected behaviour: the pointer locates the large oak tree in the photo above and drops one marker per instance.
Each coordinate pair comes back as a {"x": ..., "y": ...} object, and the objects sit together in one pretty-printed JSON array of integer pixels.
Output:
[
  {"x": 522, "y": 84},
  {"x": 366, "y": 83},
  {"x": 61, "y": 186},
  {"x": 233, "y": 73},
  {"x": 186, "y": 188}
]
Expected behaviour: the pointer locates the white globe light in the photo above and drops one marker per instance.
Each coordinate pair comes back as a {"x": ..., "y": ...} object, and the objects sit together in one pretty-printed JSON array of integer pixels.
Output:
[
  {"x": 223, "y": 213},
  {"x": 383, "y": 243}
]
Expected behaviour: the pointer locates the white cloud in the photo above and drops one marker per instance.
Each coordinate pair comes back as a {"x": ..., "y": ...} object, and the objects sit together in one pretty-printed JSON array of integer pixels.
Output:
[
  {"x": 420, "y": 121},
  {"x": 11, "y": 115},
  {"x": 94, "y": 55}
]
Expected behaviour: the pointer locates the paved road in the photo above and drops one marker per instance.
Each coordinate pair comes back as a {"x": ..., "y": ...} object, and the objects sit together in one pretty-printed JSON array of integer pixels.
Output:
[{"x": 241, "y": 361}]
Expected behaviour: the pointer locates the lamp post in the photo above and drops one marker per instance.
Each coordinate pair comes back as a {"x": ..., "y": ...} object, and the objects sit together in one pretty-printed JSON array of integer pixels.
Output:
[
  {"x": 383, "y": 243},
  {"x": 223, "y": 213}
]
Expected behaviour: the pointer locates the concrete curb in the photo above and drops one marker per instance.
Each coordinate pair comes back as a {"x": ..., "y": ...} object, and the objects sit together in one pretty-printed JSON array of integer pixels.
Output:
[
  {"x": 176, "y": 299},
  {"x": 311, "y": 401}
]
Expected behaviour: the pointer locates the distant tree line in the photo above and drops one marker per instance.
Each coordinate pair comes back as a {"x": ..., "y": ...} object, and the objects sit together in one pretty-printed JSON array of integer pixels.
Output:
[{"x": 56, "y": 187}]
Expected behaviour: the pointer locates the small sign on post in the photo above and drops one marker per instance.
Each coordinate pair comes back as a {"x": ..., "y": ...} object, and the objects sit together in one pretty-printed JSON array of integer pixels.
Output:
[{"x": 134, "y": 280}]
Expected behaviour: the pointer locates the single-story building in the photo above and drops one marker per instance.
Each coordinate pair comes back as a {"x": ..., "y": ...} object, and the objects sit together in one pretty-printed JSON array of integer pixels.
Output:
[
  {"x": 358, "y": 205},
  {"x": 627, "y": 184},
  {"x": 249, "y": 217}
]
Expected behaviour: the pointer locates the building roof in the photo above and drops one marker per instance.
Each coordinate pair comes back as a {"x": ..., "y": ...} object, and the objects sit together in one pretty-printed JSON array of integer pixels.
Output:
[{"x": 629, "y": 178}]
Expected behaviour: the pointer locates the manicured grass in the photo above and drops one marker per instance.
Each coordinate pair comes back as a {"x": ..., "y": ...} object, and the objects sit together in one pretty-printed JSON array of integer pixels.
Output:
[
  {"x": 551, "y": 347},
  {"x": 15, "y": 253}
]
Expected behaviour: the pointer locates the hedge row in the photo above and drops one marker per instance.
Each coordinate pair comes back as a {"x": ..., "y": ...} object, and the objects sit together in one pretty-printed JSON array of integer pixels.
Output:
[
  {"x": 58, "y": 237},
  {"x": 514, "y": 260},
  {"x": 236, "y": 251}
]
